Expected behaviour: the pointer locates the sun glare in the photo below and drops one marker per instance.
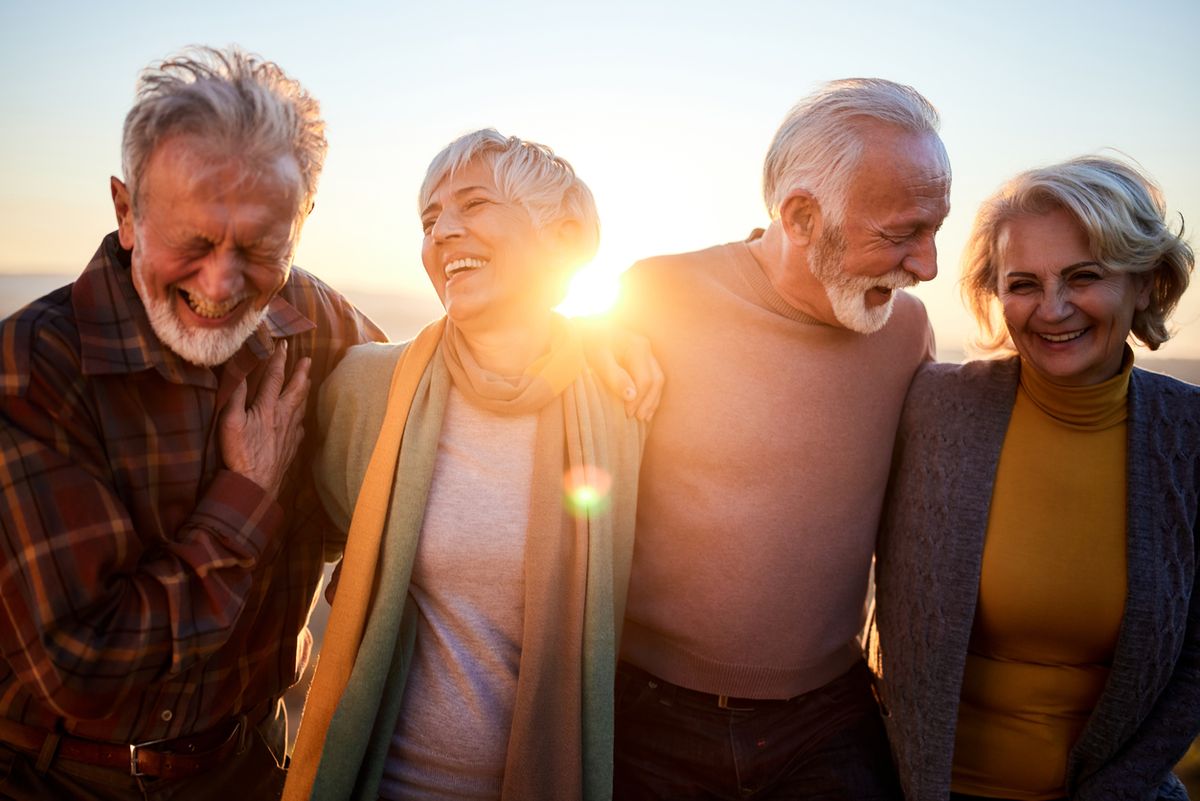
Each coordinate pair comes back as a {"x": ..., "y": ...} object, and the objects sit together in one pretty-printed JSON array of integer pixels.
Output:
[{"x": 593, "y": 291}]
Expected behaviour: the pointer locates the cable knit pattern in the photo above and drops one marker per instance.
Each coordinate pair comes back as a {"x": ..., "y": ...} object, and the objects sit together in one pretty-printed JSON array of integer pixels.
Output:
[{"x": 928, "y": 565}]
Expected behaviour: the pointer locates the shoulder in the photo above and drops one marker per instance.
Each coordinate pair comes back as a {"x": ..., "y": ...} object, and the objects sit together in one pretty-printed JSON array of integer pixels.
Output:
[
  {"x": 680, "y": 282},
  {"x": 678, "y": 265},
  {"x": 1155, "y": 399},
  {"x": 43, "y": 334},
  {"x": 942, "y": 395},
  {"x": 1166, "y": 388},
  {"x": 937, "y": 379},
  {"x": 302, "y": 284},
  {"x": 908, "y": 329},
  {"x": 328, "y": 308},
  {"x": 366, "y": 367}
]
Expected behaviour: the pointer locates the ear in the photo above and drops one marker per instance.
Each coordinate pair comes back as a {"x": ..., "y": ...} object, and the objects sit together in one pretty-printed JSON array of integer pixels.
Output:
[
  {"x": 569, "y": 240},
  {"x": 800, "y": 216},
  {"x": 1144, "y": 284},
  {"x": 123, "y": 206}
]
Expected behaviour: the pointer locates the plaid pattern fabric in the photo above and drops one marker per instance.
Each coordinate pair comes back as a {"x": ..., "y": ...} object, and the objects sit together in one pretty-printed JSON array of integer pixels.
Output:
[{"x": 147, "y": 592}]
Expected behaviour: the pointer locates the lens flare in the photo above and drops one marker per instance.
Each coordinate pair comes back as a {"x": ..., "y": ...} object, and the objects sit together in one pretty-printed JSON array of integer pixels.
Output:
[{"x": 586, "y": 490}]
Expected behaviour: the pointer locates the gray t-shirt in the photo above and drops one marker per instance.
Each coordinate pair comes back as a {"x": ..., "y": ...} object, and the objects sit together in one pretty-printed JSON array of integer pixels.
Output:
[{"x": 469, "y": 585}]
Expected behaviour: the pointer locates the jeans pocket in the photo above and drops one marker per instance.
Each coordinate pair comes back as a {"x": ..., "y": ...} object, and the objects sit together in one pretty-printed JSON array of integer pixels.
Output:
[{"x": 633, "y": 690}]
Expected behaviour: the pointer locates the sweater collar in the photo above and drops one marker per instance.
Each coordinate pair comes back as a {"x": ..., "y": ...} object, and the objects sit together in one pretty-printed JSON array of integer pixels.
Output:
[
  {"x": 1090, "y": 408},
  {"x": 756, "y": 277}
]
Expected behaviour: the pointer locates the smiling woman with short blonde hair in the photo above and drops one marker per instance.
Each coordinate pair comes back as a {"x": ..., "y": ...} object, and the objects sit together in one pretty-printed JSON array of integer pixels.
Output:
[{"x": 488, "y": 484}]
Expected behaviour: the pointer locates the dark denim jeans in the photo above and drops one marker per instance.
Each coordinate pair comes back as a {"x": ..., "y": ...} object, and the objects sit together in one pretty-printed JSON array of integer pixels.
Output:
[
  {"x": 677, "y": 744},
  {"x": 963, "y": 797}
]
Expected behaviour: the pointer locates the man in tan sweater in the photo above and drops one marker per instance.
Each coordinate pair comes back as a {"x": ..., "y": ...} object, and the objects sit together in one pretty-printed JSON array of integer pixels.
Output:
[{"x": 787, "y": 357}]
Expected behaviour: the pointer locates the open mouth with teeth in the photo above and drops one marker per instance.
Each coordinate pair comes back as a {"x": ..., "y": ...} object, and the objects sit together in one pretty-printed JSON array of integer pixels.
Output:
[
  {"x": 463, "y": 265},
  {"x": 1067, "y": 337},
  {"x": 212, "y": 310}
]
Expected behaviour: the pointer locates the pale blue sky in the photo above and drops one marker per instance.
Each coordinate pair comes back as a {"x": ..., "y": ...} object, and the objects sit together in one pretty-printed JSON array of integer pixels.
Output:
[{"x": 665, "y": 109}]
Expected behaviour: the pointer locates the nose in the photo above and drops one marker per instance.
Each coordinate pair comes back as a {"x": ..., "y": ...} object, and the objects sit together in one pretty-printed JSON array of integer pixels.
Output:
[
  {"x": 1055, "y": 304},
  {"x": 222, "y": 275},
  {"x": 922, "y": 261},
  {"x": 447, "y": 224}
]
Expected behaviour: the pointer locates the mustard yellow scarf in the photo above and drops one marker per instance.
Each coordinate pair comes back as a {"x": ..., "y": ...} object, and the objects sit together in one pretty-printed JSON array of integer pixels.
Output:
[{"x": 576, "y": 565}]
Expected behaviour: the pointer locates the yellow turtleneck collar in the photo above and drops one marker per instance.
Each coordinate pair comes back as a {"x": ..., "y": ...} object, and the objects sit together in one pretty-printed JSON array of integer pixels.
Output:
[{"x": 1094, "y": 407}]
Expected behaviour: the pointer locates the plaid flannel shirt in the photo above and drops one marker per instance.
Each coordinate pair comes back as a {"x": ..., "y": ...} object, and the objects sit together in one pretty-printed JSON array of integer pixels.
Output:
[{"x": 148, "y": 592}]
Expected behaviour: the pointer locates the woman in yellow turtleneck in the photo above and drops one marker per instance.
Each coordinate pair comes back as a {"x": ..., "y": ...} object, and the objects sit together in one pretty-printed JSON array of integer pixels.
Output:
[{"x": 1037, "y": 630}]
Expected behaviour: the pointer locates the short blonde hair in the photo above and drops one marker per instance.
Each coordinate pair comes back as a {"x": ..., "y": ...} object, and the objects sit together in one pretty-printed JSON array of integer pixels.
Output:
[
  {"x": 526, "y": 173},
  {"x": 1123, "y": 214}
]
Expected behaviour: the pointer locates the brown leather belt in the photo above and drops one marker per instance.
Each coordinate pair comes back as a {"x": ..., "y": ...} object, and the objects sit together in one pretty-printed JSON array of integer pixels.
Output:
[{"x": 163, "y": 759}]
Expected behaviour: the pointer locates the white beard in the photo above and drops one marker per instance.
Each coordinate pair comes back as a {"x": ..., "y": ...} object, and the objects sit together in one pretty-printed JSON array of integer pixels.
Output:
[
  {"x": 848, "y": 293},
  {"x": 206, "y": 347}
]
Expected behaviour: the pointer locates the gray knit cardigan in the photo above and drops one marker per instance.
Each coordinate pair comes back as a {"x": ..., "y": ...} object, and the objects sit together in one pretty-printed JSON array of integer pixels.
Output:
[{"x": 927, "y": 572}]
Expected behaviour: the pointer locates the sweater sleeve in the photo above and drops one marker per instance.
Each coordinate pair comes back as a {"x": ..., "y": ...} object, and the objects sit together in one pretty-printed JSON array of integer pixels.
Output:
[{"x": 1146, "y": 759}]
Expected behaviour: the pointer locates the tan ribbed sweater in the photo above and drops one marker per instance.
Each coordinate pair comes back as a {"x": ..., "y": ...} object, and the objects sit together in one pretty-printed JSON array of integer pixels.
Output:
[{"x": 763, "y": 477}]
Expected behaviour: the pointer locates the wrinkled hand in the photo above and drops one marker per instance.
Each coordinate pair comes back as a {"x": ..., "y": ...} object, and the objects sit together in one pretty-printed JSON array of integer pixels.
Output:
[
  {"x": 626, "y": 365},
  {"x": 259, "y": 441}
]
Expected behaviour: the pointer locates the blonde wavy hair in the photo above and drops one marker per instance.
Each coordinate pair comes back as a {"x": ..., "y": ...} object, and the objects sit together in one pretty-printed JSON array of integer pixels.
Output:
[{"x": 1123, "y": 214}]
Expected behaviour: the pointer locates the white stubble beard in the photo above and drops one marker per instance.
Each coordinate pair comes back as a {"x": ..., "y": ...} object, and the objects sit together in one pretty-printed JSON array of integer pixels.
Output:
[
  {"x": 848, "y": 293},
  {"x": 206, "y": 347}
]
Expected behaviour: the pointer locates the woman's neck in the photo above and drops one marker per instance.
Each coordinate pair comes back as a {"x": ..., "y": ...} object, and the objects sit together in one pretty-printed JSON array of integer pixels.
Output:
[{"x": 507, "y": 351}]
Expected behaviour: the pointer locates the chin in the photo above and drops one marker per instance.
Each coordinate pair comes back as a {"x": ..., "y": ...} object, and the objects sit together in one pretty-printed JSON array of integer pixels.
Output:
[
  {"x": 856, "y": 315},
  {"x": 205, "y": 347}
]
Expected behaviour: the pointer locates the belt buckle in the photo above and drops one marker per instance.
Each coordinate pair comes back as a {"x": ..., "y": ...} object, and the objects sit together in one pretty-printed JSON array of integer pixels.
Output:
[
  {"x": 133, "y": 755},
  {"x": 723, "y": 703}
]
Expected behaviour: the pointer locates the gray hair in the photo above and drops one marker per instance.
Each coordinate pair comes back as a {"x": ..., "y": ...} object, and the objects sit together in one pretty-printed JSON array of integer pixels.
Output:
[
  {"x": 1123, "y": 214},
  {"x": 232, "y": 99},
  {"x": 820, "y": 142},
  {"x": 527, "y": 173}
]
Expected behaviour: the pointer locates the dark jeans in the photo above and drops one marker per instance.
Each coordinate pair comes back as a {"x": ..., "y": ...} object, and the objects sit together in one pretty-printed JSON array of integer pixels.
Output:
[
  {"x": 964, "y": 797},
  {"x": 677, "y": 744},
  {"x": 254, "y": 772}
]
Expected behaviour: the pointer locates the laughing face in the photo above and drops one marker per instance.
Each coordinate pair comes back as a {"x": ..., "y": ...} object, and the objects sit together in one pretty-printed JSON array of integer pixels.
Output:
[
  {"x": 1068, "y": 315},
  {"x": 212, "y": 242},
  {"x": 850, "y": 296},
  {"x": 883, "y": 238},
  {"x": 491, "y": 265}
]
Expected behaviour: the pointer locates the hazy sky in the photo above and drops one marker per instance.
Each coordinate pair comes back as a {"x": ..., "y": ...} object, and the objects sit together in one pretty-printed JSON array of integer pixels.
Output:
[{"x": 665, "y": 109}]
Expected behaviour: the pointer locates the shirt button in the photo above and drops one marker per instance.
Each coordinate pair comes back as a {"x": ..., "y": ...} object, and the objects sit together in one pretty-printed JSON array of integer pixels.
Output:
[{"x": 167, "y": 715}]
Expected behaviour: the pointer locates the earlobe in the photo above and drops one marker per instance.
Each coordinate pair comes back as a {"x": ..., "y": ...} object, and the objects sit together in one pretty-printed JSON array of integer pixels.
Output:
[
  {"x": 123, "y": 207},
  {"x": 800, "y": 216}
]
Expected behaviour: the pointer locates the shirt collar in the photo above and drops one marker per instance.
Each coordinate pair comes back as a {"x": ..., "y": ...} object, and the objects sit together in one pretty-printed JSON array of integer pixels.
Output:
[{"x": 115, "y": 336}]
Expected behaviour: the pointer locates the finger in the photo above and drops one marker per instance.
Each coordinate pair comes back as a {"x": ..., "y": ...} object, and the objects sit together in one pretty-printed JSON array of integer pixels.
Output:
[
  {"x": 614, "y": 378},
  {"x": 293, "y": 400},
  {"x": 649, "y": 402},
  {"x": 272, "y": 382},
  {"x": 237, "y": 399},
  {"x": 296, "y": 391},
  {"x": 233, "y": 416}
]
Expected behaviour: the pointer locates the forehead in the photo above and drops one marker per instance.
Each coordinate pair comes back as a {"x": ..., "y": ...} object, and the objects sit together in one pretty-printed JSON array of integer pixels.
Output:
[
  {"x": 1044, "y": 241},
  {"x": 902, "y": 172},
  {"x": 187, "y": 168},
  {"x": 477, "y": 172}
]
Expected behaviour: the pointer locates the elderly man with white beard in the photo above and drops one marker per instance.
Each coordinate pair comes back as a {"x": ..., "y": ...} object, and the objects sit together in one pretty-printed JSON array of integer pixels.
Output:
[
  {"x": 161, "y": 534},
  {"x": 787, "y": 358}
]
